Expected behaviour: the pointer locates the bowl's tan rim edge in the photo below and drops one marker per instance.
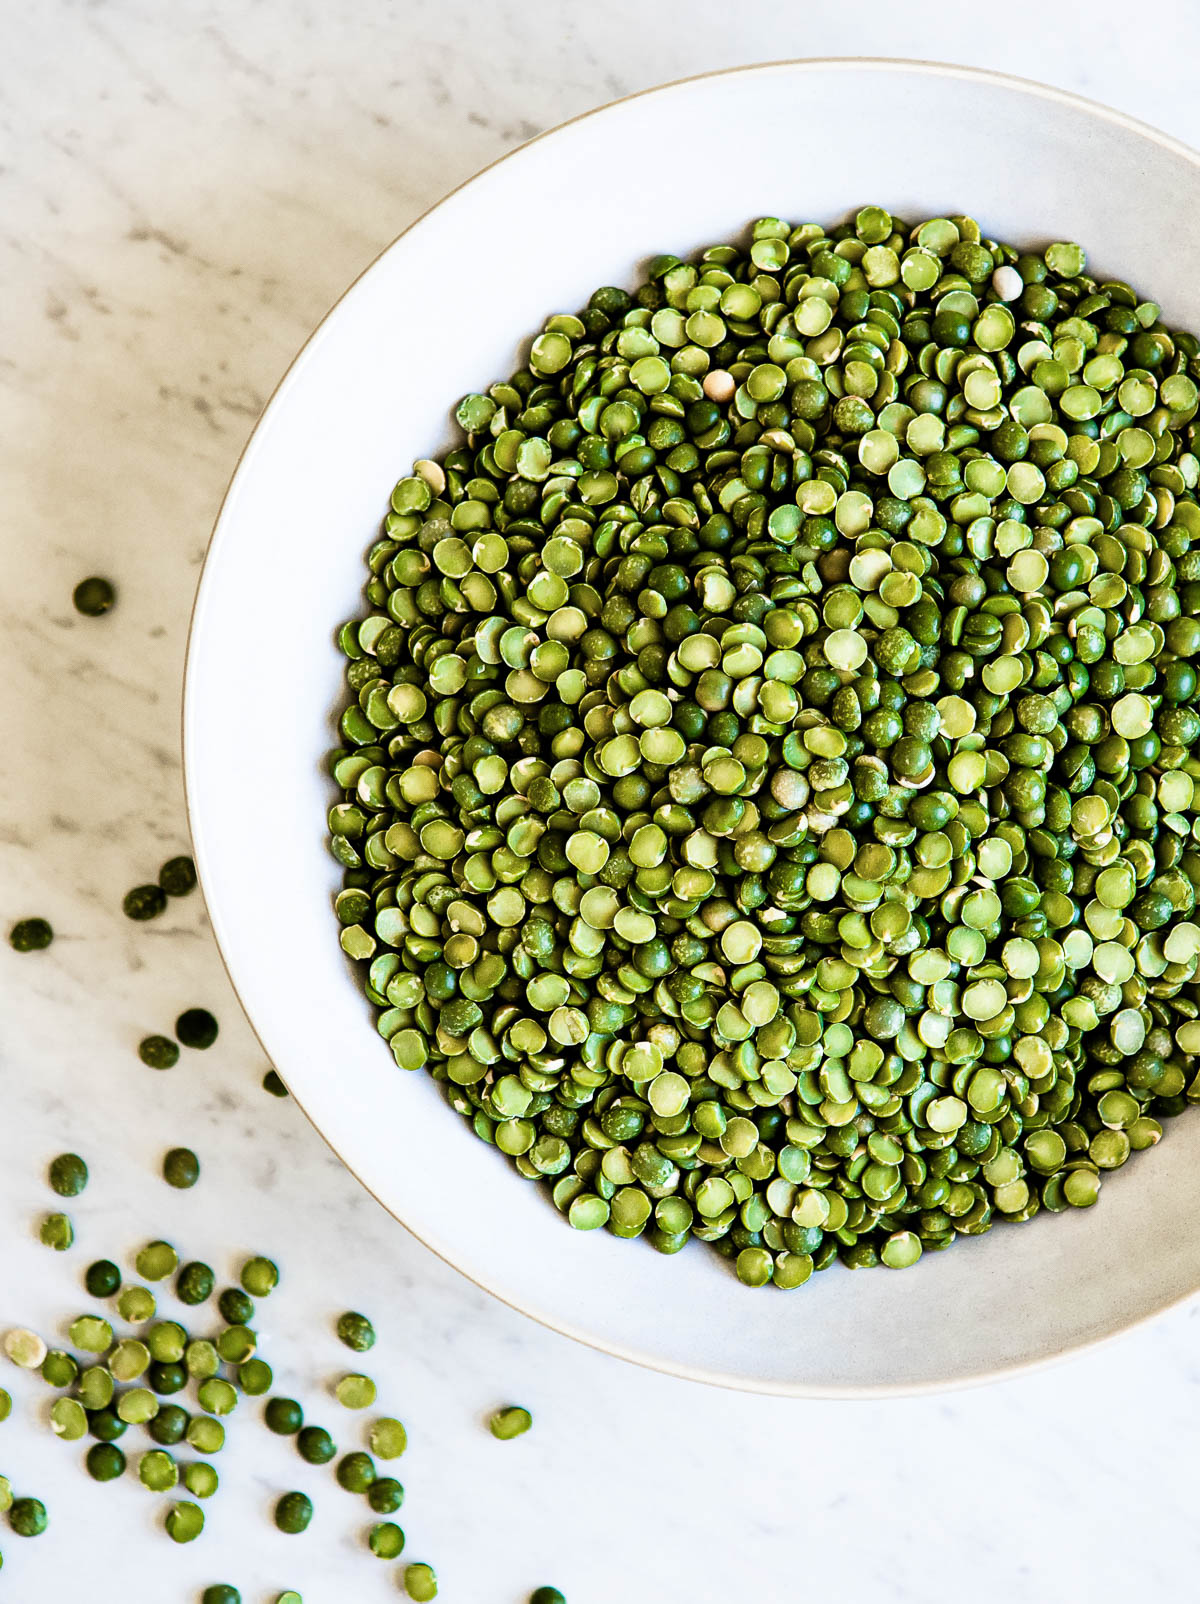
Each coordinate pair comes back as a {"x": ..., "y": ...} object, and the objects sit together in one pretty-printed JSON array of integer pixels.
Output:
[{"x": 933, "y": 69}]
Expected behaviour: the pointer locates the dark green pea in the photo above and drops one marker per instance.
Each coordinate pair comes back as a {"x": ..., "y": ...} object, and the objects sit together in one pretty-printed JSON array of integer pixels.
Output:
[
  {"x": 93, "y": 596},
  {"x": 273, "y": 1084},
  {"x": 194, "y": 1284},
  {"x": 166, "y": 1379},
  {"x": 315, "y": 1445},
  {"x": 356, "y": 1331},
  {"x": 68, "y": 1175},
  {"x": 1151, "y": 910},
  {"x": 293, "y": 1512},
  {"x": 809, "y": 399},
  {"x": 196, "y": 1027},
  {"x": 102, "y": 1279},
  {"x": 236, "y": 1308},
  {"x": 181, "y": 1167},
  {"x": 144, "y": 902},
  {"x": 106, "y": 1425},
  {"x": 283, "y": 1416},
  {"x": 105, "y": 1462},
  {"x": 255, "y": 1377},
  {"x": 159, "y": 1052},
  {"x": 221, "y": 1593},
  {"x": 30, "y": 935},
  {"x": 385, "y": 1495},
  {"x": 169, "y": 1425},
  {"x": 355, "y": 1472},
  {"x": 951, "y": 328},
  {"x": 177, "y": 877}
]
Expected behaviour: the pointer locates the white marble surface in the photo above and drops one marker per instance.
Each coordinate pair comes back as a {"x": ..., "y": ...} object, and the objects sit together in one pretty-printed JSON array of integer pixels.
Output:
[{"x": 183, "y": 191}]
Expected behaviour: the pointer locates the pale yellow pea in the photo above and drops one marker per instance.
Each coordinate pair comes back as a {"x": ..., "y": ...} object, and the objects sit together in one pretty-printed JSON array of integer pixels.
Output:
[
  {"x": 899, "y": 589},
  {"x": 1150, "y": 960},
  {"x": 634, "y": 926},
  {"x": 568, "y": 1026},
  {"x": 816, "y": 497},
  {"x": 760, "y": 1002},
  {"x": 1028, "y": 572},
  {"x": 957, "y": 715},
  {"x": 933, "y": 1029},
  {"x": 699, "y": 652},
  {"x": 599, "y": 906},
  {"x": 1182, "y": 943},
  {"x": 1080, "y": 1013},
  {"x": 823, "y": 881},
  {"x": 566, "y": 624},
  {"x": 966, "y": 771},
  {"x": 1002, "y": 675},
  {"x": 853, "y": 512},
  {"x": 1104, "y": 923},
  {"x": 1176, "y": 791},
  {"x": 1133, "y": 645},
  {"x": 982, "y": 389},
  {"x": 867, "y": 569},
  {"x": 433, "y": 474},
  {"x": 1012, "y": 537},
  {"x": 665, "y": 747},
  {"x": 1113, "y": 963},
  {"x": 845, "y": 649},
  {"x": 984, "y": 1000},
  {"x": 1132, "y": 716},
  {"x": 719, "y": 386},
  {"x": 1187, "y": 1037},
  {"x": 651, "y": 709},
  {"x": 1033, "y": 1055},
  {"x": 1020, "y": 958},
  {"x": 1128, "y": 1030},
  {"x": 741, "y": 942},
  {"x": 994, "y": 857}
]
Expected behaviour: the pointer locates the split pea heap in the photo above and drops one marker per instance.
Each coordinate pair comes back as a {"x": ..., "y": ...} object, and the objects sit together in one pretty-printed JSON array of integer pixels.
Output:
[{"x": 768, "y": 797}]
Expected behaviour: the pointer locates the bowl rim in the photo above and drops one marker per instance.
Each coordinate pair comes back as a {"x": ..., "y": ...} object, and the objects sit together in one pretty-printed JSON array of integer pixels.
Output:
[{"x": 1036, "y": 90}]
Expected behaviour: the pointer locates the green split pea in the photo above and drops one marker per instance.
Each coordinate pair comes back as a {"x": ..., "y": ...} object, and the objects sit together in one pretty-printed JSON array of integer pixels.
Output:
[{"x": 767, "y": 795}]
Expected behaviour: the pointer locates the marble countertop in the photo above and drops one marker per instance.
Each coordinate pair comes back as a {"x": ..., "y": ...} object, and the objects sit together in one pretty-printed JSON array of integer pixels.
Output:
[{"x": 183, "y": 192}]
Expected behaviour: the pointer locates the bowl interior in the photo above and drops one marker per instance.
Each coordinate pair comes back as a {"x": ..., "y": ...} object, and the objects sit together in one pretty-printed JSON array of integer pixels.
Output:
[{"x": 444, "y": 311}]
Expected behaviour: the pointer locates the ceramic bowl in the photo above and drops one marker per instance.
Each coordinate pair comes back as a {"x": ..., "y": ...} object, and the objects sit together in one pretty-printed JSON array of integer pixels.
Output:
[{"x": 445, "y": 310}]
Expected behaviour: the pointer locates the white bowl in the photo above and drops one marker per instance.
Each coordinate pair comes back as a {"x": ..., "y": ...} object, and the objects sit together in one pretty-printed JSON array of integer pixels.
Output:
[{"x": 445, "y": 310}]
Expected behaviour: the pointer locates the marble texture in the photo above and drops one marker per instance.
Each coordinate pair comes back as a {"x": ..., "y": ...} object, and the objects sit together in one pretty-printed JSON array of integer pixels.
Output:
[{"x": 183, "y": 191}]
